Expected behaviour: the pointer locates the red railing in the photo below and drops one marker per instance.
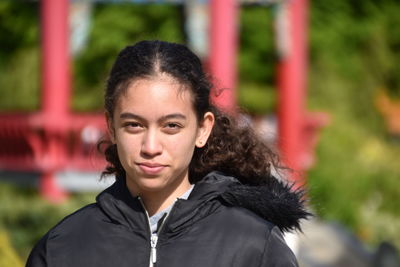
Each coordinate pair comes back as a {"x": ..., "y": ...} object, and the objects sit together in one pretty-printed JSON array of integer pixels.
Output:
[{"x": 54, "y": 139}]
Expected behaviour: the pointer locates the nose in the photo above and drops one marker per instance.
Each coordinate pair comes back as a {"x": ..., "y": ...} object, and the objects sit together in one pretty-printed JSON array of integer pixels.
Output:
[{"x": 151, "y": 145}]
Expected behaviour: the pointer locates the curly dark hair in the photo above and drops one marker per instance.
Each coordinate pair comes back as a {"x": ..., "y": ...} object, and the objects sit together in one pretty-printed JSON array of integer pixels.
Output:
[{"x": 231, "y": 148}]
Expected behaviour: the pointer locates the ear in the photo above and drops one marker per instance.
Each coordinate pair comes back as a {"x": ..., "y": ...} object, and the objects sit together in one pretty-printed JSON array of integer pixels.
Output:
[
  {"x": 110, "y": 127},
  {"x": 205, "y": 129}
]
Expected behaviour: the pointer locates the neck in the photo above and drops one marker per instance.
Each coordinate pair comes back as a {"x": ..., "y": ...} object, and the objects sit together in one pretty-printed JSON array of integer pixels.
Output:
[{"x": 159, "y": 199}]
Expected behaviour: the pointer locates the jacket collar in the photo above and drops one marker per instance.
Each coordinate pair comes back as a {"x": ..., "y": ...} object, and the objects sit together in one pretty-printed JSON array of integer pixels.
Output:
[
  {"x": 122, "y": 208},
  {"x": 275, "y": 201}
]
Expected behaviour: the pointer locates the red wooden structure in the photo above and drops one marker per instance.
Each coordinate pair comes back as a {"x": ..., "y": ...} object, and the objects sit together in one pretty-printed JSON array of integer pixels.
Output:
[
  {"x": 55, "y": 139},
  {"x": 223, "y": 51},
  {"x": 297, "y": 128},
  {"x": 52, "y": 139}
]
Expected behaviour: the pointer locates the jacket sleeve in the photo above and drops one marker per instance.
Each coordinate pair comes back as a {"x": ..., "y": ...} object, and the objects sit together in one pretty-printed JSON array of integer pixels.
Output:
[
  {"x": 37, "y": 257},
  {"x": 277, "y": 253}
]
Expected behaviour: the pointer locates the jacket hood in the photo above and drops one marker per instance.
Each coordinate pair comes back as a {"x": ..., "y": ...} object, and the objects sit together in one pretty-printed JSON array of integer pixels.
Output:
[{"x": 274, "y": 201}]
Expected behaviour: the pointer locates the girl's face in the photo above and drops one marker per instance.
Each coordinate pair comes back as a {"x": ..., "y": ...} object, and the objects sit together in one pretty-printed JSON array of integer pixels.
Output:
[{"x": 156, "y": 130}]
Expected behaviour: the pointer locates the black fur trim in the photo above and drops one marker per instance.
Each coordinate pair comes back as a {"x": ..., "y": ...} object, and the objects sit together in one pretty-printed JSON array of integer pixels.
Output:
[{"x": 276, "y": 202}]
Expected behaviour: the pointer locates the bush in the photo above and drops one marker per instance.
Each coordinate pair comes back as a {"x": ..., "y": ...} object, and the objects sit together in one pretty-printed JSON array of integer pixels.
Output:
[{"x": 8, "y": 256}]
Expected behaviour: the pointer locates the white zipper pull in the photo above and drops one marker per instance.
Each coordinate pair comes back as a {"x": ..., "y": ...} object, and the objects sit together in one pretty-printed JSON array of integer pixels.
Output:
[{"x": 153, "y": 242}]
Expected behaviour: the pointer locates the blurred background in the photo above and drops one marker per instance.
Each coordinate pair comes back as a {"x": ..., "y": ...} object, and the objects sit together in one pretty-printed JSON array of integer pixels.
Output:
[{"x": 351, "y": 79}]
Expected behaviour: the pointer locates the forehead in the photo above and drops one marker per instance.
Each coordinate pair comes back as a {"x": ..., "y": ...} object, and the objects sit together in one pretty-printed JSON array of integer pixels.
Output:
[{"x": 156, "y": 95}]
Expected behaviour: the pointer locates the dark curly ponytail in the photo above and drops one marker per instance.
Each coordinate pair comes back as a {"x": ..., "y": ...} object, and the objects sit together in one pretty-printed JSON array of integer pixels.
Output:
[{"x": 233, "y": 149}]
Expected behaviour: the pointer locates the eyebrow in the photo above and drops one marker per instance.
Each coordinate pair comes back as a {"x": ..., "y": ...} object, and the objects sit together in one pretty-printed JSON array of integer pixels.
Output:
[{"x": 129, "y": 115}]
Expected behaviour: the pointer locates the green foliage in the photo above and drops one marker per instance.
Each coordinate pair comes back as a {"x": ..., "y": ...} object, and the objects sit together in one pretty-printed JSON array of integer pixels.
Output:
[
  {"x": 18, "y": 27},
  {"x": 20, "y": 81},
  {"x": 356, "y": 181},
  {"x": 19, "y": 57},
  {"x": 257, "y": 99},
  {"x": 363, "y": 43},
  {"x": 8, "y": 256},
  {"x": 353, "y": 55},
  {"x": 257, "y": 55},
  {"x": 256, "y": 60}
]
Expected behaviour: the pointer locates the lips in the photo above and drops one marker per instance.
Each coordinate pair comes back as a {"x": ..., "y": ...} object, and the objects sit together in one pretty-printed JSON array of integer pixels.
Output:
[{"x": 151, "y": 168}]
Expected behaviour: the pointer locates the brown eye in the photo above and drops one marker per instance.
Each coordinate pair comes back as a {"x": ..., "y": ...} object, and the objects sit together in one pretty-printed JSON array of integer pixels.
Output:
[
  {"x": 133, "y": 126},
  {"x": 172, "y": 127}
]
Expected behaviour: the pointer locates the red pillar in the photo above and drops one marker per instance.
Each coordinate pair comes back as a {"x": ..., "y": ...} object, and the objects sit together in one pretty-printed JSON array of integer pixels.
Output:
[
  {"x": 55, "y": 59},
  {"x": 55, "y": 91},
  {"x": 292, "y": 72},
  {"x": 223, "y": 50}
]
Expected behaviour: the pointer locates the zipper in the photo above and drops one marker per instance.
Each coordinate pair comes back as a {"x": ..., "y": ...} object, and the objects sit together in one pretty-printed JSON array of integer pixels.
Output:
[
  {"x": 154, "y": 237},
  {"x": 153, "y": 252}
]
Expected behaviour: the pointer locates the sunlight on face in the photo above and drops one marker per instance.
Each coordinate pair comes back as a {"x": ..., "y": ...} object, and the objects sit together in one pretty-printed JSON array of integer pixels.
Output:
[{"x": 156, "y": 130}]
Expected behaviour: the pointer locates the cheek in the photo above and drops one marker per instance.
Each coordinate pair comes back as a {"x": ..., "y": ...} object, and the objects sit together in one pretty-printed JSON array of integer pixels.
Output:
[
  {"x": 127, "y": 146},
  {"x": 182, "y": 146}
]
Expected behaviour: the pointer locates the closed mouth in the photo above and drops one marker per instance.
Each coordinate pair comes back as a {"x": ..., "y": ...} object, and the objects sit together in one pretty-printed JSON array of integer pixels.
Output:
[
  {"x": 151, "y": 165},
  {"x": 151, "y": 168}
]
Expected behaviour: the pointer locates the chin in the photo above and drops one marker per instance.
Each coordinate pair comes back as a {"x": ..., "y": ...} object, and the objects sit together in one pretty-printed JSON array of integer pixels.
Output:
[{"x": 151, "y": 184}]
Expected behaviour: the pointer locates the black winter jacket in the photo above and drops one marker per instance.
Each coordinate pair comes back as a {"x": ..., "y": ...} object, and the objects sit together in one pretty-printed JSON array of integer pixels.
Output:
[{"x": 223, "y": 223}]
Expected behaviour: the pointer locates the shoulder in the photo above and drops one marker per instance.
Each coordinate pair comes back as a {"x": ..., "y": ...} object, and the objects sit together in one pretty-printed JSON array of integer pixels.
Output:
[
  {"x": 277, "y": 252},
  {"x": 81, "y": 217},
  {"x": 76, "y": 224},
  {"x": 80, "y": 224},
  {"x": 262, "y": 233},
  {"x": 78, "y": 221},
  {"x": 71, "y": 227},
  {"x": 244, "y": 218},
  {"x": 246, "y": 235},
  {"x": 239, "y": 225}
]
